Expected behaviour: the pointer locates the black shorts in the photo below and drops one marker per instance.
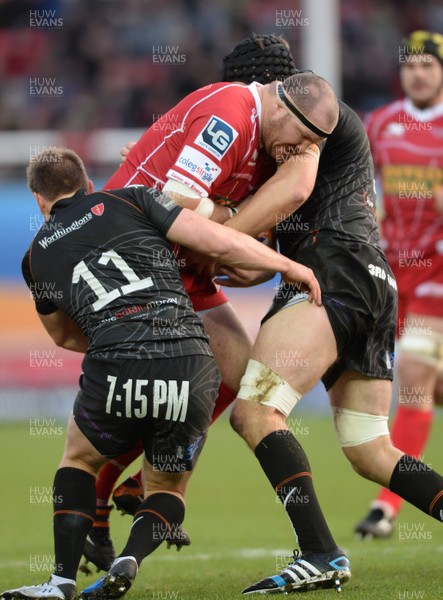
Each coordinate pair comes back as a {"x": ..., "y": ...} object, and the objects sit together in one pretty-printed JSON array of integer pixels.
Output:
[
  {"x": 360, "y": 296},
  {"x": 166, "y": 403}
]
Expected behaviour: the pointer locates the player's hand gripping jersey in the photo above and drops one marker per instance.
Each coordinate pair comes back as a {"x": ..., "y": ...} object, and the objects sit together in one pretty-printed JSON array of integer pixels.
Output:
[
  {"x": 408, "y": 151},
  {"x": 210, "y": 141}
]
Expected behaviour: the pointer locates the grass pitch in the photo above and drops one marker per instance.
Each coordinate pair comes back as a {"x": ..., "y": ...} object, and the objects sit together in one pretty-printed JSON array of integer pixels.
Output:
[{"x": 239, "y": 531}]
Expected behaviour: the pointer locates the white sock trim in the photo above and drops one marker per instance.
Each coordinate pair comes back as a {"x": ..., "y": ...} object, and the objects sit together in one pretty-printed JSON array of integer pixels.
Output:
[
  {"x": 57, "y": 580},
  {"x": 120, "y": 558}
]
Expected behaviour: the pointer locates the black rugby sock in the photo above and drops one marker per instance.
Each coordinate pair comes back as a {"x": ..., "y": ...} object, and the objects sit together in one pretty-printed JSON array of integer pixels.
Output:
[
  {"x": 420, "y": 485},
  {"x": 158, "y": 517},
  {"x": 287, "y": 468},
  {"x": 74, "y": 512}
]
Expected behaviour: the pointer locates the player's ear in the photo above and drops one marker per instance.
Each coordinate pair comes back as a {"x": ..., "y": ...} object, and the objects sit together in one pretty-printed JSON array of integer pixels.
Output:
[
  {"x": 40, "y": 202},
  {"x": 90, "y": 186},
  {"x": 278, "y": 110}
]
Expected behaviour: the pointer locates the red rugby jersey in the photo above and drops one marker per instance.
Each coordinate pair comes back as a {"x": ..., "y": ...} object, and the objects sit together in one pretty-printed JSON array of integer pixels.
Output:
[
  {"x": 407, "y": 146},
  {"x": 210, "y": 141}
]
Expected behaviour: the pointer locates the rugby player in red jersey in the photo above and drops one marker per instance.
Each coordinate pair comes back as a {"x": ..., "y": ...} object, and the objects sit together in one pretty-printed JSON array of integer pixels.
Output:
[
  {"x": 406, "y": 142},
  {"x": 261, "y": 59}
]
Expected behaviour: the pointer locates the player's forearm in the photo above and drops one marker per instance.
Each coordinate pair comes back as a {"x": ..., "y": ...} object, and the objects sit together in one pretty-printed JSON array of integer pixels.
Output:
[
  {"x": 244, "y": 252},
  {"x": 238, "y": 250},
  {"x": 216, "y": 213},
  {"x": 224, "y": 245},
  {"x": 278, "y": 198},
  {"x": 268, "y": 208},
  {"x": 183, "y": 201},
  {"x": 232, "y": 277}
]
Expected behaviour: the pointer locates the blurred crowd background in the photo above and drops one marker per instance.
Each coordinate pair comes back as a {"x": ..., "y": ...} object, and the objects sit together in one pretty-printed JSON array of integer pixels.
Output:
[{"x": 102, "y": 55}]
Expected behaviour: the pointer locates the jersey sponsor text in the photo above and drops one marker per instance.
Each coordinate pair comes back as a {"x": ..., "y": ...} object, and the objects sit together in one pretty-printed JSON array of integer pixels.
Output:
[{"x": 59, "y": 233}]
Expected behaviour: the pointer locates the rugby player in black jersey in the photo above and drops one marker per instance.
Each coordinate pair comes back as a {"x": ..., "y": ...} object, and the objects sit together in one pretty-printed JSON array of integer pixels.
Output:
[
  {"x": 348, "y": 342},
  {"x": 260, "y": 58},
  {"x": 108, "y": 257}
]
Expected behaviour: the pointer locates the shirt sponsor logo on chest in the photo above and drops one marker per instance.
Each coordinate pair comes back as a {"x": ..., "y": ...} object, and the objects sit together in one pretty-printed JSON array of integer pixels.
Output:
[
  {"x": 216, "y": 137},
  {"x": 199, "y": 165}
]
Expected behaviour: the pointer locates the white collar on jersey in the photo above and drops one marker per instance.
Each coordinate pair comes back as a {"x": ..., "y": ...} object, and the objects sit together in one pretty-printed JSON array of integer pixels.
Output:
[
  {"x": 252, "y": 87},
  {"x": 428, "y": 114}
]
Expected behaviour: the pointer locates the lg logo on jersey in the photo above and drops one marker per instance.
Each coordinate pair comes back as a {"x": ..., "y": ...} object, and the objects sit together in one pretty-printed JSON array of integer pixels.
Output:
[{"x": 217, "y": 137}]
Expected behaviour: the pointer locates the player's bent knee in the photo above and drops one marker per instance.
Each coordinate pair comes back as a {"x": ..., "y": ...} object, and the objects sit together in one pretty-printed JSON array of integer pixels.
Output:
[
  {"x": 236, "y": 419},
  {"x": 158, "y": 482},
  {"x": 360, "y": 462},
  {"x": 242, "y": 419},
  {"x": 263, "y": 386},
  {"x": 92, "y": 468},
  {"x": 254, "y": 422},
  {"x": 369, "y": 460},
  {"x": 264, "y": 401}
]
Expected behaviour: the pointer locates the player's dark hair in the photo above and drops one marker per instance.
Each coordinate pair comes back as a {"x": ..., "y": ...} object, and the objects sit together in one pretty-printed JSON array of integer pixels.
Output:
[
  {"x": 55, "y": 172},
  {"x": 261, "y": 58}
]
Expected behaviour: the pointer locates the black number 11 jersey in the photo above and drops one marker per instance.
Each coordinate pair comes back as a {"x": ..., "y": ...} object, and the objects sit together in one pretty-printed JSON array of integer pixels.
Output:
[{"x": 104, "y": 261}]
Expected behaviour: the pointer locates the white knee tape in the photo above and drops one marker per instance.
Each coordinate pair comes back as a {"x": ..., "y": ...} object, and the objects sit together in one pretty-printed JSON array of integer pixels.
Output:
[
  {"x": 425, "y": 348},
  {"x": 355, "y": 428},
  {"x": 264, "y": 386}
]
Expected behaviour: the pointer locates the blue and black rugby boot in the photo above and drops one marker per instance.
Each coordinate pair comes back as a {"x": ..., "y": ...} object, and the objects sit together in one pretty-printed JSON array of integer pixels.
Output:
[
  {"x": 307, "y": 572},
  {"x": 115, "y": 583}
]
